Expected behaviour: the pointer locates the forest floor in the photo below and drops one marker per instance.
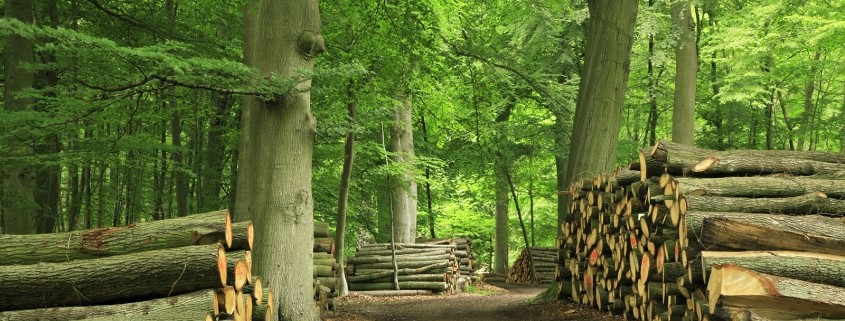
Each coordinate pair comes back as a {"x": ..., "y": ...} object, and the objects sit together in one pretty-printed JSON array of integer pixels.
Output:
[{"x": 501, "y": 302}]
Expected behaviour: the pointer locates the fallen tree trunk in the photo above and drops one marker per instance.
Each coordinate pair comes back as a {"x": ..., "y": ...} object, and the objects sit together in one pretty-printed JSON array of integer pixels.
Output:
[
  {"x": 190, "y": 306},
  {"x": 401, "y": 265},
  {"x": 813, "y": 203},
  {"x": 324, "y": 245},
  {"x": 86, "y": 282},
  {"x": 778, "y": 297},
  {"x": 403, "y": 258},
  {"x": 805, "y": 266},
  {"x": 439, "y": 277},
  {"x": 206, "y": 228},
  {"x": 409, "y": 285},
  {"x": 761, "y": 186},
  {"x": 379, "y": 252},
  {"x": 757, "y": 232},
  {"x": 757, "y": 165},
  {"x": 386, "y": 273},
  {"x": 394, "y": 292}
]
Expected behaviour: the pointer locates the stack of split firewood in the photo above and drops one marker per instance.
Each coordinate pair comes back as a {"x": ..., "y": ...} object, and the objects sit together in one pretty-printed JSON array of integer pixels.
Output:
[
  {"x": 535, "y": 265},
  {"x": 325, "y": 268},
  {"x": 176, "y": 269},
  {"x": 695, "y": 234},
  {"x": 403, "y": 269},
  {"x": 463, "y": 252}
]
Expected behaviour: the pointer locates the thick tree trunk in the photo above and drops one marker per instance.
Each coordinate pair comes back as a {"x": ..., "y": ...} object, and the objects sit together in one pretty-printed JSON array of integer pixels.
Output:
[
  {"x": 274, "y": 184},
  {"x": 86, "y": 282},
  {"x": 500, "y": 260},
  {"x": 189, "y": 306},
  {"x": 18, "y": 179},
  {"x": 60, "y": 247},
  {"x": 806, "y": 266},
  {"x": 603, "y": 83},
  {"x": 686, "y": 66},
  {"x": 404, "y": 189}
]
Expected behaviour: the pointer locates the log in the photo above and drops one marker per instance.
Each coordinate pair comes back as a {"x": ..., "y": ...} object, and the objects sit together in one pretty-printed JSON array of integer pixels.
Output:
[
  {"x": 205, "y": 228},
  {"x": 118, "y": 278},
  {"x": 380, "y": 252},
  {"x": 401, "y": 265},
  {"x": 386, "y": 246},
  {"x": 321, "y": 229},
  {"x": 813, "y": 203},
  {"x": 393, "y": 292},
  {"x": 732, "y": 165},
  {"x": 805, "y": 266},
  {"x": 777, "y": 297},
  {"x": 761, "y": 186},
  {"x": 404, "y": 258},
  {"x": 433, "y": 286},
  {"x": 189, "y": 306},
  {"x": 324, "y": 245},
  {"x": 772, "y": 232},
  {"x": 386, "y": 273},
  {"x": 440, "y": 277},
  {"x": 679, "y": 156}
]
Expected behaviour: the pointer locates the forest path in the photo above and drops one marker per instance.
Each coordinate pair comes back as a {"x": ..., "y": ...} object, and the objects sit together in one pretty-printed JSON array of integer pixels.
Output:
[{"x": 509, "y": 305}]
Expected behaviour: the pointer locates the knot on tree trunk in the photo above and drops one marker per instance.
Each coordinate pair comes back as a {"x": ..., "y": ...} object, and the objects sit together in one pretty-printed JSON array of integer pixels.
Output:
[{"x": 310, "y": 44}]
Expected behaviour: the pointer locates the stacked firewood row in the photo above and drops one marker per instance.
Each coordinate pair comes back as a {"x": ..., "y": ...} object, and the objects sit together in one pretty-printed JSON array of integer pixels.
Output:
[
  {"x": 403, "y": 269},
  {"x": 325, "y": 268},
  {"x": 694, "y": 234},
  {"x": 463, "y": 252},
  {"x": 197, "y": 267},
  {"x": 535, "y": 265}
]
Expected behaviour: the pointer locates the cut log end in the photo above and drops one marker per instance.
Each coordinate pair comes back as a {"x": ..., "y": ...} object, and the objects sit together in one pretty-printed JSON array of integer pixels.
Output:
[
  {"x": 241, "y": 274},
  {"x": 704, "y": 164},
  {"x": 643, "y": 167},
  {"x": 228, "y": 230},
  {"x": 221, "y": 265}
]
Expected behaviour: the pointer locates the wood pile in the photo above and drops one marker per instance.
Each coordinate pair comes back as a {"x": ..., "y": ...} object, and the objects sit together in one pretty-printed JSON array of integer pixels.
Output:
[
  {"x": 463, "y": 252},
  {"x": 544, "y": 262},
  {"x": 197, "y": 267},
  {"x": 694, "y": 234},
  {"x": 326, "y": 268},
  {"x": 491, "y": 277},
  {"x": 416, "y": 269}
]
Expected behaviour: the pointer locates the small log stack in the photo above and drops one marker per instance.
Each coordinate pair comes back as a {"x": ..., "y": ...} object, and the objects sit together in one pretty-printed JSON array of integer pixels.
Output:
[
  {"x": 544, "y": 261},
  {"x": 463, "y": 253},
  {"x": 177, "y": 269},
  {"x": 419, "y": 268},
  {"x": 692, "y": 234},
  {"x": 325, "y": 268}
]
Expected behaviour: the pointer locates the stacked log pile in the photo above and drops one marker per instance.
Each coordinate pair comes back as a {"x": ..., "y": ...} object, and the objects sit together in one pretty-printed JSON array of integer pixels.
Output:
[
  {"x": 416, "y": 269},
  {"x": 325, "y": 268},
  {"x": 694, "y": 234},
  {"x": 544, "y": 262},
  {"x": 191, "y": 268},
  {"x": 463, "y": 253}
]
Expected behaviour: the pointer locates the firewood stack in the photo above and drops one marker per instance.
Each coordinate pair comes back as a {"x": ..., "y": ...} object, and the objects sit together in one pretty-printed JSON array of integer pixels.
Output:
[
  {"x": 695, "y": 234},
  {"x": 325, "y": 268},
  {"x": 544, "y": 260},
  {"x": 420, "y": 269},
  {"x": 197, "y": 267},
  {"x": 463, "y": 252}
]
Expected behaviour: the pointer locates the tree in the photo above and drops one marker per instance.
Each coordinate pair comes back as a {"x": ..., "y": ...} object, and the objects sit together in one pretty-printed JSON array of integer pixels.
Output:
[
  {"x": 403, "y": 185},
  {"x": 598, "y": 113},
  {"x": 686, "y": 67},
  {"x": 18, "y": 178},
  {"x": 274, "y": 176}
]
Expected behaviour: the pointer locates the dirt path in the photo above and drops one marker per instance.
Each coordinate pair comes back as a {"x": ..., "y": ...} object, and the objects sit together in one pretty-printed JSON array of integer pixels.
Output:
[{"x": 509, "y": 305}]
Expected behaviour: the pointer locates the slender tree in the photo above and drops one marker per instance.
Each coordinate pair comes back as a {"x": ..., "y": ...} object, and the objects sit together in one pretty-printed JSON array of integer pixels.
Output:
[
  {"x": 274, "y": 175},
  {"x": 686, "y": 67},
  {"x": 345, "y": 179},
  {"x": 404, "y": 186}
]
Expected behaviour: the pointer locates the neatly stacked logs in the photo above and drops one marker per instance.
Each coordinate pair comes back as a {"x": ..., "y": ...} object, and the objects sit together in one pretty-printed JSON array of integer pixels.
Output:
[
  {"x": 648, "y": 243},
  {"x": 539, "y": 267},
  {"x": 175, "y": 269},
  {"x": 463, "y": 253},
  {"x": 417, "y": 269},
  {"x": 325, "y": 268}
]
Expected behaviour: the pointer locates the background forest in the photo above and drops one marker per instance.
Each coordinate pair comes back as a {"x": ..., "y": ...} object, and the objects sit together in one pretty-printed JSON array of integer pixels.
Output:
[{"x": 134, "y": 107}]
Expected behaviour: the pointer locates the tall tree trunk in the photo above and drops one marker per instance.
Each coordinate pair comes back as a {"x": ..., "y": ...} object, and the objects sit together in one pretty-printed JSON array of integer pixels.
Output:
[
  {"x": 604, "y": 80},
  {"x": 277, "y": 140},
  {"x": 531, "y": 211},
  {"x": 18, "y": 179},
  {"x": 686, "y": 66},
  {"x": 500, "y": 261},
  {"x": 807, "y": 117},
  {"x": 212, "y": 169},
  {"x": 345, "y": 180},
  {"x": 770, "y": 120},
  {"x": 789, "y": 128},
  {"x": 404, "y": 189},
  {"x": 652, "y": 90},
  {"x": 160, "y": 174},
  {"x": 718, "y": 119},
  {"x": 842, "y": 130},
  {"x": 101, "y": 195},
  {"x": 117, "y": 184},
  {"x": 74, "y": 201},
  {"x": 178, "y": 161},
  {"x": 431, "y": 216}
]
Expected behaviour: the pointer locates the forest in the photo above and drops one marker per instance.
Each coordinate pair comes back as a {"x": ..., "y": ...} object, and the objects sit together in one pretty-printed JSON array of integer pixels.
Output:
[{"x": 463, "y": 118}]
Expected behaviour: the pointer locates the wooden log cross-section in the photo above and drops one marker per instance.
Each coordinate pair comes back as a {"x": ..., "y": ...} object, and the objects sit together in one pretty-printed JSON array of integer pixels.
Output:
[{"x": 198, "y": 229}]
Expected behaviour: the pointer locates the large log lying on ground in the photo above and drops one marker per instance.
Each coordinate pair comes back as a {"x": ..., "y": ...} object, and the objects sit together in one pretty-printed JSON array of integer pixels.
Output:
[
  {"x": 774, "y": 297},
  {"x": 140, "y": 275},
  {"x": 761, "y": 186},
  {"x": 406, "y": 285},
  {"x": 815, "y": 202},
  {"x": 806, "y": 266},
  {"x": 189, "y": 306},
  {"x": 198, "y": 229},
  {"x": 770, "y": 232}
]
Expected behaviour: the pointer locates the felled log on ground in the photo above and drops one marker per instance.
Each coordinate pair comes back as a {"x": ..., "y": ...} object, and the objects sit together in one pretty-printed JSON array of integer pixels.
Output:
[
  {"x": 321, "y": 229},
  {"x": 774, "y": 297},
  {"x": 806, "y": 266},
  {"x": 198, "y": 229},
  {"x": 774, "y": 232},
  {"x": 393, "y": 292},
  {"x": 812, "y": 203},
  {"x": 389, "y": 273},
  {"x": 324, "y": 245},
  {"x": 140, "y": 275},
  {"x": 406, "y": 285},
  {"x": 761, "y": 186},
  {"x": 189, "y": 306}
]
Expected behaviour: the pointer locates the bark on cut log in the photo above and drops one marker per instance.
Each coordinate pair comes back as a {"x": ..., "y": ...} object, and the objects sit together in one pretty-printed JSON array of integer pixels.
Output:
[
  {"x": 321, "y": 229},
  {"x": 394, "y": 292},
  {"x": 399, "y": 258},
  {"x": 813, "y": 203},
  {"x": 206, "y": 228},
  {"x": 761, "y": 186},
  {"x": 410, "y": 285},
  {"x": 806, "y": 266},
  {"x": 324, "y": 245},
  {"x": 189, "y": 306},
  {"x": 780, "y": 297},
  {"x": 116, "y": 278},
  {"x": 771, "y": 232},
  {"x": 386, "y": 273},
  {"x": 756, "y": 165}
]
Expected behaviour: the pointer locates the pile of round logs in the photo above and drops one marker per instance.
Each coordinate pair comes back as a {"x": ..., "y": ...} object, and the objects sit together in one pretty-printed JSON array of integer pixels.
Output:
[
  {"x": 535, "y": 265},
  {"x": 492, "y": 277},
  {"x": 325, "y": 268},
  {"x": 695, "y": 234},
  {"x": 176, "y": 269},
  {"x": 463, "y": 252},
  {"x": 403, "y": 269}
]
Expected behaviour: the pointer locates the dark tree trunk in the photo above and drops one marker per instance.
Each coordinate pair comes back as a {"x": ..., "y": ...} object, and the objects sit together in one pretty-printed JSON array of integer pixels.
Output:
[{"x": 345, "y": 179}]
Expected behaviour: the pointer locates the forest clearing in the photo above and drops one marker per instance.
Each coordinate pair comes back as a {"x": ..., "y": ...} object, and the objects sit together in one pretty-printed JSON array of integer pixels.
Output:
[{"x": 390, "y": 160}]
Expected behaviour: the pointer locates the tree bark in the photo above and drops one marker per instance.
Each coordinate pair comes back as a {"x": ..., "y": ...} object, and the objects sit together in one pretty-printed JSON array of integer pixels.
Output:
[
  {"x": 756, "y": 232},
  {"x": 406, "y": 285},
  {"x": 761, "y": 186},
  {"x": 86, "y": 282},
  {"x": 806, "y": 130},
  {"x": 806, "y": 266},
  {"x": 18, "y": 178},
  {"x": 812, "y": 203},
  {"x": 213, "y": 158},
  {"x": 686, "y": 66},
  {"x": 189, "y": 306},
  {"x": 404, "y": 189},
  {"x": 501, "y": 258},
  {"x": 274, "y": 184}
]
